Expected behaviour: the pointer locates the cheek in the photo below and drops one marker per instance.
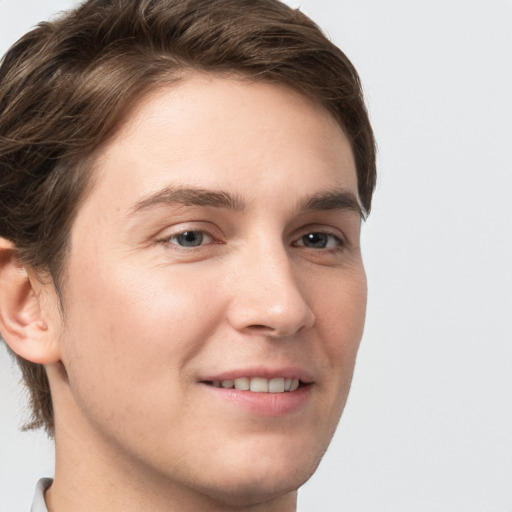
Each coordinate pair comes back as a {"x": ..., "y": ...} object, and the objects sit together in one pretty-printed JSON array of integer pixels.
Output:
[
  {"x": 135, "y": 334},
  {"x": 340, "y": 316},
  {"x": 341, "y": 309}
]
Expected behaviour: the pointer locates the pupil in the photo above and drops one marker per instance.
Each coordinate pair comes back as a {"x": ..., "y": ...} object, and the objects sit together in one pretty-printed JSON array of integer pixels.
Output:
[
  {"x": 316, "y": 240},
  {"x": 191, "y": 238}
]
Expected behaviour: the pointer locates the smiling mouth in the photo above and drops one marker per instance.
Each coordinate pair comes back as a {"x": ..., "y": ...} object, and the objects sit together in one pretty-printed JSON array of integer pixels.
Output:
[{"x": 258, "y": 384}]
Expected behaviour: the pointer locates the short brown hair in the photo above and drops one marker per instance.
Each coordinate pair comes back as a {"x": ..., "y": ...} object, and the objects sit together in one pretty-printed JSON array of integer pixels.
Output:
[{"x": 66, "y": 85}]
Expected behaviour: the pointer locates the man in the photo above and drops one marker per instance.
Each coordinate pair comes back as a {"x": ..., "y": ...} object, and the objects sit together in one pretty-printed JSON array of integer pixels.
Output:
[{"x": 182, "y": 184}]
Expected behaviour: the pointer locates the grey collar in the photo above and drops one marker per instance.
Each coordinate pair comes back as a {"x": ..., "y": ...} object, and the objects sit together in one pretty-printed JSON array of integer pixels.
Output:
[{"x": 39, "y": 505}]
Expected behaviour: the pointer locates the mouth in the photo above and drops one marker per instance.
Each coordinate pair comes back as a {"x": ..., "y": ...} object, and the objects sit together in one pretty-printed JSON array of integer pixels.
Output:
[
  {"x": 259, "y": 384},
  {"x": 262, "y": 391}
]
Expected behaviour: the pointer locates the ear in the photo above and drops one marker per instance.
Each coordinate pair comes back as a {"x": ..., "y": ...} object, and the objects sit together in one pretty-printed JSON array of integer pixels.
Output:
[{"x": 22, "y": 321}]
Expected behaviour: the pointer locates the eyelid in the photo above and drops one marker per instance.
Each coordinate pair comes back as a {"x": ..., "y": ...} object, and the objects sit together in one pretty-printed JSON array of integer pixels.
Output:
[
  {"x": 341, "y": 243},
  {"x": 206, "y": 237},
  {"x": 167, "y": 234},
  {"x": 321, "y": 228}
]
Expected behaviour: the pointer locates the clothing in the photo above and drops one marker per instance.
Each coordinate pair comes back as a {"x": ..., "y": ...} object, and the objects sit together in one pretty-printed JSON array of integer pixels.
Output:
[{"x": 39, "y": 505}]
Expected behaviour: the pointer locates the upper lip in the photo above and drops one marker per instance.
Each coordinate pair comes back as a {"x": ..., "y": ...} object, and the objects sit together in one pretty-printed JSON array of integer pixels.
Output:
[{"x": 264, "y": 372}]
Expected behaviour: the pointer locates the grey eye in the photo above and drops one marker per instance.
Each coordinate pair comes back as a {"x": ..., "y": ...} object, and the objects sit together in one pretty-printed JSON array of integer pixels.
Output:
[
  {"x": 319, "y": 241},
  {"x": 189, "y": 238}
]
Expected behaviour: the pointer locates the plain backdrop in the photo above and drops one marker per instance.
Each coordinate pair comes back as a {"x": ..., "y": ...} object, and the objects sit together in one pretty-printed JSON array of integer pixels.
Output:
[{"x": 428, "y": 425}]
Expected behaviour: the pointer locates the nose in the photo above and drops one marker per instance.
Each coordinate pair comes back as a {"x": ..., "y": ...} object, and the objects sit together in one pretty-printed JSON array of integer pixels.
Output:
[{"x": 267, "y": 297}]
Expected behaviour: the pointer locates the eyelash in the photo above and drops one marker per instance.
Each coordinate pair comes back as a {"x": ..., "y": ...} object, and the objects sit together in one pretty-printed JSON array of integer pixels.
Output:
[
  {"x": 203, "y": 234},
  {"x": 339, "y": 243}
]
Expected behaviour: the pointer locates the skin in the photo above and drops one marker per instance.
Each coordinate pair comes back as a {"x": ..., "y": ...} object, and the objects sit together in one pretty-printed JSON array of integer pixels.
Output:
[{"x": 147, "y": 319}]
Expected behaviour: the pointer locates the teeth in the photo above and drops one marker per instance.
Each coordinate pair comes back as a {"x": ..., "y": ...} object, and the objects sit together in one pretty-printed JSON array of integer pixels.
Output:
[
  {"x": 259, "y": 384},
  {"x": 228, "y": 384},
  {"x": 243, "y": 384},
  {"x": 276, "y": 386}
]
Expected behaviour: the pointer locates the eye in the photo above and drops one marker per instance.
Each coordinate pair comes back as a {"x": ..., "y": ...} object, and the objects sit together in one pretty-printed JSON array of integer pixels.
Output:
[
  {"x": 190, "y": 238},
  {"x": 319, "y": 240}
]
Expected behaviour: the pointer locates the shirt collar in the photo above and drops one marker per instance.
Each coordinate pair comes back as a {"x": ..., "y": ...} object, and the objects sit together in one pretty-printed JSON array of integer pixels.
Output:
[{"x": 39, "y": 505}]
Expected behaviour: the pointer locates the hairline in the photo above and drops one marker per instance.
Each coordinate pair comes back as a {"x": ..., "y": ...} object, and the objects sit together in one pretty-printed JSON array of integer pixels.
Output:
[{"x": 90, "y": 158}]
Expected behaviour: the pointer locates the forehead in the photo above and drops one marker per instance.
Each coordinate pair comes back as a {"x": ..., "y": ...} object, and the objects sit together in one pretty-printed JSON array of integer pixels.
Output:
[{"x": 224, "y": 133}]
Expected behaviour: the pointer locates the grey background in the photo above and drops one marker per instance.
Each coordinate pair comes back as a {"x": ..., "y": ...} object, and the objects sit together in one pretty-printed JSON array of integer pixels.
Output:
[{"x": 428, "y": 426}]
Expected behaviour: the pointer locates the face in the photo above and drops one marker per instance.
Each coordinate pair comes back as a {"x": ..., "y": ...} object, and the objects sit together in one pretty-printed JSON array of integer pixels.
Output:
[{"x": 214, "y": 290}]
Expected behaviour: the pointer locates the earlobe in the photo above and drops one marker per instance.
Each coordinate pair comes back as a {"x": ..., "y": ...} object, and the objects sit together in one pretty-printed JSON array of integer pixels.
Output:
[{"x": 22, "y": 321}]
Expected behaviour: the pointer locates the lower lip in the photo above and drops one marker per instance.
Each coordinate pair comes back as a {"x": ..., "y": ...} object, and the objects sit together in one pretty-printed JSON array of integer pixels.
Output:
[{"x": 264, "y": 404}]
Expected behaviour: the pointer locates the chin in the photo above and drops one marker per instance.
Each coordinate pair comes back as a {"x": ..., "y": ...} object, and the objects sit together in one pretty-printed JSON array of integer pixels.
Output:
[
  {"x": 249, "y": 492},
  {"x": 259, "y": 479}
]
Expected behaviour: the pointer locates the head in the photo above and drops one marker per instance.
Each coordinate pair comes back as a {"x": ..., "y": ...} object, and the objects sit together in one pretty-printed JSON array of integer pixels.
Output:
[{"x": 76, "y": 91}]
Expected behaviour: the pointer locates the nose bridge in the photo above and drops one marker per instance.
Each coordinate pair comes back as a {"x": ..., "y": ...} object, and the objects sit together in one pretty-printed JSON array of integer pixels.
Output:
[{"x": 268, "y": 297}]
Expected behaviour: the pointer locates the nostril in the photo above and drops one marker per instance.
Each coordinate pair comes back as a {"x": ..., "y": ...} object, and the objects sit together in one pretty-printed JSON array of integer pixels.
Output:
[
  {"x": 263, "y": 330},
  {"x": 280, "y": 316}
]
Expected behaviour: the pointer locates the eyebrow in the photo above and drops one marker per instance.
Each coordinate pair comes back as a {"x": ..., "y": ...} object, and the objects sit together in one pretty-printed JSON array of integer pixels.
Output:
[
  {"x": 321, "y": 201},
  {"x": 332, "y": 200},
  {"x": 192, "y": 197}
]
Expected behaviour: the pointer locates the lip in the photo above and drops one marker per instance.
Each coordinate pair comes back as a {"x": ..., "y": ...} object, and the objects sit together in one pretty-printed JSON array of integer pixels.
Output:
[
  {"x": 263, "y": 404},
  {"x": 263, "y": 372}
]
